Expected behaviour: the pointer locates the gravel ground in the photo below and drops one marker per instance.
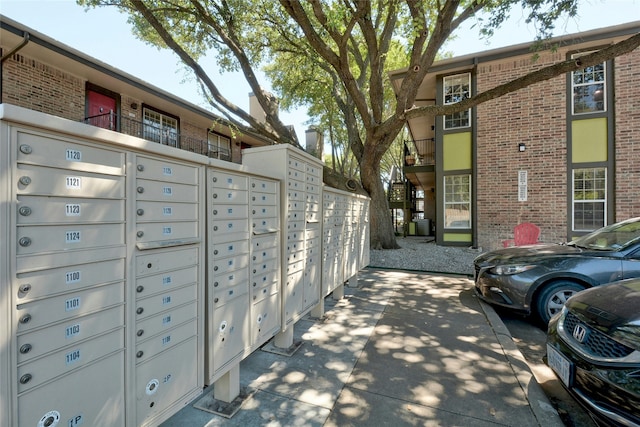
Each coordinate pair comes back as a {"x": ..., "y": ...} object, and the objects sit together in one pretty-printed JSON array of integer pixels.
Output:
[{"x": 421, "y": 253}]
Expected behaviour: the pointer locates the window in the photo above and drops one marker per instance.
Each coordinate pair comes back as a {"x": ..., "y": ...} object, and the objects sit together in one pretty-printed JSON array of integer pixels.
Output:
[
  {"x": 589, "y": 198},
  {"x": 457, "y": 201},
  {"x": 160, "y": 128},
  {"x": 219, "y": 146},
  {"x": 457, "y": 88},
  {"x": 588, "y": 89}
]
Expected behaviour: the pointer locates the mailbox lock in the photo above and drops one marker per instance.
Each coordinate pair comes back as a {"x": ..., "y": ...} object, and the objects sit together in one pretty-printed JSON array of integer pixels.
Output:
[
  {"x": 25, "y": 211},
  {"x": 215, "y": 179},
  {"x": 215, "y": 268},
  {"x": 139, "y": 354},
  {"x": 140, "y": 168},
  {"x": 140, "y": 212},
  {"x": 140, "y": 332},
  {"x": 216, "y": 299},
  {"x": 215, "y": 212},
  {"x": 25, "y": 288},
  {"x": 215, "y": 284},
  {"x": 140, "y": 190},
  {"x": 25, "y": 348},
  {"x": 255, "y": 284},
  {"x": 140, "y": 310},
  {"x": 215, "y": 195},
  {"x": 255, "y": 297},
  {"x": 25, "y": 378},
  {"x": 25, "y": 180},
  {"x": 215, "y": 252},
  {"x": 253, "y": 185},
  {"x": 140, "y": 288},
  {"x": 215, "y": 228},
  {"x": 140, "y": 233},
  {"x": 253, "y": 211},
  {"x": 26, "y": 149},
  {"x": 25, "y": 319}
]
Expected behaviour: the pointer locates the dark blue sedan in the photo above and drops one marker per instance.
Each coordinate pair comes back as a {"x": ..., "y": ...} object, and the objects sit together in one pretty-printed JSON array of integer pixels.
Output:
[{"x": 539, "y": 279}]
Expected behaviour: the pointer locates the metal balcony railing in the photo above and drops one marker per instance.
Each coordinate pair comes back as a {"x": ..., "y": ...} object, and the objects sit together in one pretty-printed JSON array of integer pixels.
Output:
[
  {"x": 150, "y": 132},
  {"x": 420, "y": 152}
]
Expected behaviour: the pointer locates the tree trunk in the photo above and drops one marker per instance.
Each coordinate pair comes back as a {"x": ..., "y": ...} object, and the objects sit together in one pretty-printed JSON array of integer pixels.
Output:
[{"x": 382, "y": 231}]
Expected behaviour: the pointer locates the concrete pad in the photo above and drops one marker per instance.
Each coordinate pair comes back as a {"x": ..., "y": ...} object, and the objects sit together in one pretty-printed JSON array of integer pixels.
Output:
[
  {"x": 403, "y": 348},
  {"x": 363, "y": 408}
]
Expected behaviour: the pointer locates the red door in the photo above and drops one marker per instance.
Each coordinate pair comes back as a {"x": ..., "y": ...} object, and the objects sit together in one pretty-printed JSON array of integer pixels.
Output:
[{"x": 101, "y": 110}]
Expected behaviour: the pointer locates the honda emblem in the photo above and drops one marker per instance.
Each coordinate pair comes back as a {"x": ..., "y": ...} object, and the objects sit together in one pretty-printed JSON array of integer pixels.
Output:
[{"x": 580, "y": 333}]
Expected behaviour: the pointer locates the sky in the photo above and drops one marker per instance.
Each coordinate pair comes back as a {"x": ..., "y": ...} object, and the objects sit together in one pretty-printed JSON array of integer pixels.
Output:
[{"x": 104, "y": 34}]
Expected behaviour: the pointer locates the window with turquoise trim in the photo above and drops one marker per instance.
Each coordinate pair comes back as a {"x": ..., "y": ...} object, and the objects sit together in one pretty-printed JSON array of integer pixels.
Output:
[
  {"x": 457, "y": 201},
  {"x": 589, "y": 198},
  {"x": 457, "y": 88},
  {"x": 589, "y": 89}
]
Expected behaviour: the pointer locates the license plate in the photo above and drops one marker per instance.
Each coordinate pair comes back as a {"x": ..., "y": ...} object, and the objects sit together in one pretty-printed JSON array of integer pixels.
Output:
[{"x": 560, "y": 364}]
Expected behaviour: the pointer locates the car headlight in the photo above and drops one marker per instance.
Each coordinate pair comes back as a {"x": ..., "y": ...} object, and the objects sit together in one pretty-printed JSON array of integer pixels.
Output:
[{"x": 507, "y": 270}]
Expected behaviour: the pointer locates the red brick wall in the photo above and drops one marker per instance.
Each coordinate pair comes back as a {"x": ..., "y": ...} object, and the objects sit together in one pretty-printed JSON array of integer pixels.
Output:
[
  {"x": 535, "y": 116},
  {"x": 627, "y": 135},
  {"x": 31, "y": 84}
]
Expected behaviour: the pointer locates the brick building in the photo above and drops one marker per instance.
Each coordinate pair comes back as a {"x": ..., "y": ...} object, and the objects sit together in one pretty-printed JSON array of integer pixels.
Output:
[
  {"x": 44, "y": 75},
  {"x": 561, "y": 153}
]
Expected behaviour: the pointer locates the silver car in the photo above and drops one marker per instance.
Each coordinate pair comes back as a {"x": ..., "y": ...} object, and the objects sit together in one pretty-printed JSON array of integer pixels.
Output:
[{"x": 539, "y": 279}]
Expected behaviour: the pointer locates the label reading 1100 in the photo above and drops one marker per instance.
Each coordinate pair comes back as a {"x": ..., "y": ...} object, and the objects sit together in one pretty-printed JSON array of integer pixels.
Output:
[
  {"x": 73, "y": 155},
  {"x": 72, "y": 277}
]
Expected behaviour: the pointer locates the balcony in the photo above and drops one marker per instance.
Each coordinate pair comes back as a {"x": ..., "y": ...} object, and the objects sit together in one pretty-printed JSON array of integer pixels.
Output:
[
  {"x": 148, "y": 131},
  {"x": 420, "y": 152}
]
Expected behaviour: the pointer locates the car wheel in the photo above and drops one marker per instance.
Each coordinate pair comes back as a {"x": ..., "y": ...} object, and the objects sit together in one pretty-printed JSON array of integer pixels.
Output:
[{"x": 553, "y": 297}]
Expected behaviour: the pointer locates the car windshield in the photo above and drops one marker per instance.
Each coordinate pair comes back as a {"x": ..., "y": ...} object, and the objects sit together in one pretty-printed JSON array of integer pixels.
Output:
[{"x": 613, "y": 237}]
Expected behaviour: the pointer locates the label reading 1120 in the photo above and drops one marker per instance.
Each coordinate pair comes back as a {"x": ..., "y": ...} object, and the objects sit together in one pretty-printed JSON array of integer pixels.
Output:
[{"x": 73, "y": 155}]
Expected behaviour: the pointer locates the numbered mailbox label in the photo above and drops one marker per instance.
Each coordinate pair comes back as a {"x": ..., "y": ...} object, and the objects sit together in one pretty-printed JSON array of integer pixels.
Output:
[
  {"x": 167, "y": 171},
  {"x": 71, "y": 277},
  {"x": 72, "y": 331},
  {"x": 166, "y": 320},
  {"x": 167, "y": 231},
  {"x": 167, "y": 191},
  {"x": 72, "y": 357},
  {"x": 166, "y": 300},
  {"x": 167, "y": 211},
  {"x": 73, "y": 155},
  {"x": 72, "y": 304},
  {"x": 72, "y": 209},
  {"x": 166, "y": 340},
  {"x": 73, "y": 182},
  {"x": 72, "y": 237}
]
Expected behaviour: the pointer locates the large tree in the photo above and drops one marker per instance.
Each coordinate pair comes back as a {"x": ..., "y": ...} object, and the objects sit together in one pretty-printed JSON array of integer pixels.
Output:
[{"x": 349, "y": 41}]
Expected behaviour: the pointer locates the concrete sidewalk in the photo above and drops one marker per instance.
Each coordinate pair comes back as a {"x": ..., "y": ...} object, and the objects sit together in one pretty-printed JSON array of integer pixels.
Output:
[{"x": 404, "y": 348}]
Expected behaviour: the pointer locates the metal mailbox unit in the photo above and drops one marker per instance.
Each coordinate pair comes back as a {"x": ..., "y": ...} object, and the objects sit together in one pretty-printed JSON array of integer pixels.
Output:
[
  {"x": 243, "y": 291},
  {"x": 101, "y": 281},
  {"x": 345, "y": 239},
  {"x": 301, "y": 211},
  {"x": 168, "y": 259}
]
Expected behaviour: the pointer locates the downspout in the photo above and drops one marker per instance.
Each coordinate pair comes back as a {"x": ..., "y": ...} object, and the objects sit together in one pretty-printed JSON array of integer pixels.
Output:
[{"x": 24, "y": 42}]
